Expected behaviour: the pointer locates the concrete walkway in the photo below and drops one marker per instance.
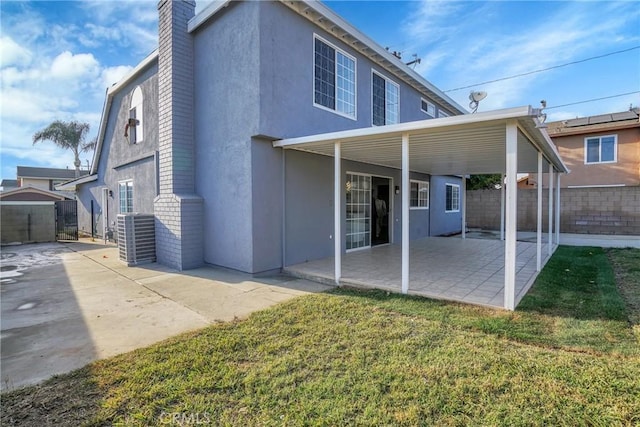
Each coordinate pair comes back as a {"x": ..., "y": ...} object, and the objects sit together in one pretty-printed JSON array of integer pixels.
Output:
[
  {"x": 597, "y": 240},
  {"x": 65, "y": 305}
]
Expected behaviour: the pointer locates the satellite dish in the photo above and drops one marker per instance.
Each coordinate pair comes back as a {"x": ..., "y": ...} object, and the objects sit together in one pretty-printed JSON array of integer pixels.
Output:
[{"x": 477, "y": 96}]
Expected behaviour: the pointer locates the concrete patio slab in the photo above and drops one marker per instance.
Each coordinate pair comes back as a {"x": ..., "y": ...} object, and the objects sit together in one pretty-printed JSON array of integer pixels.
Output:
[
  {"x": 449, "y": 268},
  {"x": 65, "y": 305}
]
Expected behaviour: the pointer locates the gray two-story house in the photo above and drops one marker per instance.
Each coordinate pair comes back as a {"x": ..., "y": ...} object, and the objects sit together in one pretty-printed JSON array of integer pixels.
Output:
[
  {"x": 282, "y": 76},
  {"x": 208, "y": 135}
]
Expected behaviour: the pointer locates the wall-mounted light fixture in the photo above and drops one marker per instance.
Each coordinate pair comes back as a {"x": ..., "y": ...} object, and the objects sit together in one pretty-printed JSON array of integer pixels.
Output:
[
  {"x": 110, "y": 193},
  {"x": 397, "y": 189}
]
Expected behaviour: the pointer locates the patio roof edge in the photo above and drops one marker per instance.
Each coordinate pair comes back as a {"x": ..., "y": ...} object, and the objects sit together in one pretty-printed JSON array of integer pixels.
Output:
[{"x": 408, "y": 127}]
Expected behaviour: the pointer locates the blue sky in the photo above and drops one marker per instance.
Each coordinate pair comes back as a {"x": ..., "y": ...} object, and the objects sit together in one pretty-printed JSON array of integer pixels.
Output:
[{"x": 57, "y": 58}]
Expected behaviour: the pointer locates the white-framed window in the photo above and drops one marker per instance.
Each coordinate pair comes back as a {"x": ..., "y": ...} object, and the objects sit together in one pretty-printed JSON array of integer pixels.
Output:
[
  {"x": 136, "y": 118},
  {"x": 125, "y": 192},
  {"x": 427, "y": 107},
  {"x": 452, "y": 198},
  {"x": 385, "y": 95},
  {"x": 419, "y": 195},
  {"x": 442, "y": 113},
  {"x": 334, "y": 78},
  {"x": 601, "y": 149}
]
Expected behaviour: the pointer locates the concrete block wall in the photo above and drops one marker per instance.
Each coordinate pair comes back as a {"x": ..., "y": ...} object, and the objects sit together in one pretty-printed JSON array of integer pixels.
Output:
[
  {"x": 612, "y": 210},
  {"x": 28, "y": 223},
  {"x": 178, "y": 209}
]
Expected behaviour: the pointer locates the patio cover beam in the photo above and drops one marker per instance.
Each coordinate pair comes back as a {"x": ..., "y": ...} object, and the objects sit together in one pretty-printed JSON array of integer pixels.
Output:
[
  {"x": 557, "y": 208},
  {"x": 502, "y": 207},
  {"x": 337, "y": 210},
  {"x": 550, "y": 239},
  {"x": 464, "y": 207},
  {"x": 405, "y": 212},
  {"x": 539, "y": 216},
  {"x": 510, "y": 253}
]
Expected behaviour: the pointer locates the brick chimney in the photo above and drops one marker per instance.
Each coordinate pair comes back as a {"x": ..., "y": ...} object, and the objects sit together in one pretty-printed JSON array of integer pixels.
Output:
[{"x": 177, "y": 208}]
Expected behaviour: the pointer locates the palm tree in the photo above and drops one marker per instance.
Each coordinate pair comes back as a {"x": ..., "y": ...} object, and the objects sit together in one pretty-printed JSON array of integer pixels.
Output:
[{"x": 67, "y": 135}]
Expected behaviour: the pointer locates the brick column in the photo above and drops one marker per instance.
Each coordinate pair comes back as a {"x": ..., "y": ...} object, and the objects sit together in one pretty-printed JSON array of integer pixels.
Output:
[{"x": 178, "y": 209}]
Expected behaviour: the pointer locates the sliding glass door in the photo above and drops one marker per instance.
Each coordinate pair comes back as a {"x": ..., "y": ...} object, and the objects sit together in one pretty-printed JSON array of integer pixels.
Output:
[{"x": 358, "y": 205}]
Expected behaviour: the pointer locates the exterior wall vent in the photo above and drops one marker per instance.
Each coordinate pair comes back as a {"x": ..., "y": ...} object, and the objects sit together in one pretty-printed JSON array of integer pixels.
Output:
[{"x": 136, "y": 238}]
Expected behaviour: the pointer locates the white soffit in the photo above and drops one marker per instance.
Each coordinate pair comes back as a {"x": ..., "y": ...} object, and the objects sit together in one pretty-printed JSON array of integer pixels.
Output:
[{"x": 469, "y": 144}]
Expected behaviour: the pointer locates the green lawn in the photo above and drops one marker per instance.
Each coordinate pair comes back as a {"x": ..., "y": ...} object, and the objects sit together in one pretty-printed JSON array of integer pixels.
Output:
[{"x": 567, "y": 356}]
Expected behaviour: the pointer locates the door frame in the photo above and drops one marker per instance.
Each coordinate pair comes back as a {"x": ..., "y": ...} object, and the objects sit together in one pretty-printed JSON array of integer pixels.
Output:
[{"x": 390, "y": 210}]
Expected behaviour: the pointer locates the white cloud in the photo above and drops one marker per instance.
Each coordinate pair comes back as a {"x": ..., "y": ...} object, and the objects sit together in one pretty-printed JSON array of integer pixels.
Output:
[
  {"x": 466, "y": 43},
  {"x": 70, "y": 66},
  {"x": 13, "y": 53},
  {"x": 112, "y": 75},
  {"x": 76, "y": 60}
]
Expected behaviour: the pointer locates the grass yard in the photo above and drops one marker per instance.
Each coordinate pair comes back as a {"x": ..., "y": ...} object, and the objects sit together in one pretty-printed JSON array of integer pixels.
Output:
[{"x": 567, "y": 356}]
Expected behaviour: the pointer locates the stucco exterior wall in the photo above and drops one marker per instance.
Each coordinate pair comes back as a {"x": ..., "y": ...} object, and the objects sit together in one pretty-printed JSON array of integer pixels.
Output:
[
  {"x": 309, "y": 205},
  {"x": 625, "y": 171},
  {"x": 442, "y": 222},
  {"x": 43, "y": 184},
  {"x": 227, "y": 102},
  {"x": 121, "y": 160},
  {"x": 287, "y": 110}
]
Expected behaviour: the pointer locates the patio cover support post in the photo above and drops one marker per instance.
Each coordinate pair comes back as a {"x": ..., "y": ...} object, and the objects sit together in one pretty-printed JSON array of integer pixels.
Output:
[
  {"x": 558, "y": 208},
  {"x": 502, "y": 207},
  {"x": 405, "y": 213},
  {"x": 464, "y": 207},
  {"x": 337, "y": 210},
  {"x": 539, "y": 229},
  {"x": 550, "y": 248},
  {"x": 510, "y": 253}
]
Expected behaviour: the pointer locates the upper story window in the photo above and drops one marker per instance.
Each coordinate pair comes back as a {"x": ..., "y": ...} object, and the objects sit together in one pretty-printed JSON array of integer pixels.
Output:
[
  {"x": 601, "y": 149},
  {"x": 334, "y": 79},
  {"x": 386, "y": 100},
  {"x": 419, "y": 195},
  {"x": 125, "y": 191},
  {"x": 442, "y": 113},
  {"x": 428, "y": 107},
  {"x": 452, "y": 199},
  {"x": 135, "y": 125}
]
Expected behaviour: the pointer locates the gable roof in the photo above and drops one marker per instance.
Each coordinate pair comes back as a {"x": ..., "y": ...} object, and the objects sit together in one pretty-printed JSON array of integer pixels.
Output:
[
  {"x": 9, "y": 183},
  {"x": 108, "y": 100},
  {"x": 29, "y": 193},
  {"x": 47, "y": 173},
  {"x": 601, "y": 122},
  {"x": 322, "y": 16},
  {"x": 71, "y": 185}
]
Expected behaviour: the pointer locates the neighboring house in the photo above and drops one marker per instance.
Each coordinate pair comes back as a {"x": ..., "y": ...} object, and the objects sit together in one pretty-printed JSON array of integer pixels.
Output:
[
  {"x": 601, "y": 195},
  {"x": 8, "y": 184},
  {"x": 600, "y": 151},
  {"x": 220, "y": 134},
  {"x": 45, "y": 178},
  {"x": 32, "y": 194}
]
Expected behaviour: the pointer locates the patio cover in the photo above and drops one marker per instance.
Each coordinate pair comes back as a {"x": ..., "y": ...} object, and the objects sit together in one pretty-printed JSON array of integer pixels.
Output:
[{"x": 508, "y": 141}]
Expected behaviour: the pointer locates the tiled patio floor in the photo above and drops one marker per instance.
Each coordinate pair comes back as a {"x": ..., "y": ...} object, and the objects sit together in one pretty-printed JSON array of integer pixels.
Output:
[{"x": 450, "y": 268}]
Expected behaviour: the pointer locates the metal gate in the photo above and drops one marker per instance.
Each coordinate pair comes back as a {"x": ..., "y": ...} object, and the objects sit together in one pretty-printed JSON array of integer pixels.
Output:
[{"x": 66, "y": 220}]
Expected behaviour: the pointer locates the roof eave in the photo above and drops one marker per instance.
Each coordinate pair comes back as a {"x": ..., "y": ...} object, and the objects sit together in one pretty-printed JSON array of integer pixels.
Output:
[
  {"x": 71, "y": 185},
  {"x": 375, "y": 48}
]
